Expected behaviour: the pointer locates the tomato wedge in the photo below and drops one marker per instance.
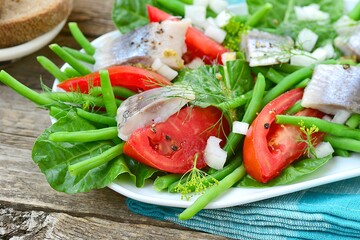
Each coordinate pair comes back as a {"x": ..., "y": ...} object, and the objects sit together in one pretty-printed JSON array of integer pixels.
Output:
[
  {"x": 133, "y": 78},
  {"x": 269, "y": 147},
  {"x": 197, "y": 42},
  {"x": 172, "y": 145}
]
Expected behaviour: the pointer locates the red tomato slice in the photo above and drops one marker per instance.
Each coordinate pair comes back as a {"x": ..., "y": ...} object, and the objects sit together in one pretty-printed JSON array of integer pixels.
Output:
[
  {"x": 199, "y": 44},
  {"x": 172, "y": 145},
  {"x": 270, "y": 147},
  {"x": 133, "y": 78}
]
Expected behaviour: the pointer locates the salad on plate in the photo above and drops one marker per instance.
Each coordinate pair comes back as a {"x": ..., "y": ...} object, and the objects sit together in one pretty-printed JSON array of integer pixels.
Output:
[{"x": 205, "y": 102}]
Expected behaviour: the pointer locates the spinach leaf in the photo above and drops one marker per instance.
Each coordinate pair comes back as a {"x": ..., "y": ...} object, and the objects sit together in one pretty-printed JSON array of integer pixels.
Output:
[
  {"x": 140, "y": 171},
  {"x": 293, "y": 173},
  {"x": 215, "y": 84},
  {"x": 128, "y": 15}
]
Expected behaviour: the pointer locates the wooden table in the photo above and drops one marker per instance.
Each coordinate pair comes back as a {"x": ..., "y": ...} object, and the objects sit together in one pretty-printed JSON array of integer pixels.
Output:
[{"x": 29, "y": 207}]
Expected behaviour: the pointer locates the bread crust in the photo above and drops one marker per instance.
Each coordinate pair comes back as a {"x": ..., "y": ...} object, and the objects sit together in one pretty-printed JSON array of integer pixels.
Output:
[{"x": 28, "y": 27}]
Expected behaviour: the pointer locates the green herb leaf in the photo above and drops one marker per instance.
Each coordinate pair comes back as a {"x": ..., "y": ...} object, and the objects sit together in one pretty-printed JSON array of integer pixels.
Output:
[
  {"x": 129, "y": 15},
  {"x": 293, "y": 173}
]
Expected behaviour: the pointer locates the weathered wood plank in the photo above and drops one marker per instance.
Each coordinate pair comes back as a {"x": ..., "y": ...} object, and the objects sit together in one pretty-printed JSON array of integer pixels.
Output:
[{"x": 42, "y": 225}]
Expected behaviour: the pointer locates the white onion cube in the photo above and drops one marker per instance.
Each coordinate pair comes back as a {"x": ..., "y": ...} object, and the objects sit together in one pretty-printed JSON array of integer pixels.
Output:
[
  {"x": 215, "y": 33},
  {"x": 307, "y": 39},
  {"x": 214, "y": 155},
  {"x": 323, "y": 149},
  {"x": 341, "y": 116},
  {"x": 240, "y": 127},
  {"x": 197, "y": 14},
  {"x": 204, "y": 3},
  {"x": 218, "y": 5},
  {"x": 223, "y": 18}
]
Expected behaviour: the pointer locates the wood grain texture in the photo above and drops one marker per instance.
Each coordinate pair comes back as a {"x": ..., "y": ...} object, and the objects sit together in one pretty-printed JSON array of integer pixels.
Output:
[{"x": 29, "y": 207}]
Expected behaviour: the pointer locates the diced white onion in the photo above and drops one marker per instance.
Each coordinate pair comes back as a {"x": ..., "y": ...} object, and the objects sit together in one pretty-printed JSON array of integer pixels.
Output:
[
  {"x": 330, "y": 52},
  {"x": 307, "y": 39},
  {"x": 215, "y": 33},
  {"x": 218, "y": 5},
  {"x": 195, "y": 63},
  {"x": 214, "y": 155},
  {"x": 323, "y": 149},
  {"x": 240, "y": 127},
  {"x": 311, "y": 12},
  {"x": 349, "y": 5},
  {"x": 240, "y": 9},
  {"x": 302, "y": 58},
  {"x": 327, "y": 118},
  {"x": 228, "y": 56},
  {"x": 345, "y": 25},
  {"x": 204, "y": 3},
  {"x": 341, "y": 116},
  {"x": 211, "y": 21},
  {"x": 164, "y": 69},
  {"x": 197, "y": 14},
  {"x": 319, "y": 54},
  {"x": 223, "y": 18}
]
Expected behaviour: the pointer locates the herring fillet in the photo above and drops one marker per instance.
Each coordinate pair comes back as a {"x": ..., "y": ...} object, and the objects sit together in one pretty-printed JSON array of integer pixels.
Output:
[
  {"x": 349, "y": 43},
  {"x": 165, "y": 40},
  {"x": 333, "y": 88},
  {"x": 264, "y": 48}
]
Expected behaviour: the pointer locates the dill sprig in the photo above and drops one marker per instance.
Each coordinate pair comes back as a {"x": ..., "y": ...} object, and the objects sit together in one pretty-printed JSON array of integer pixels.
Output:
[
  {"x": 194, "y": 182},
  {"x": 309, "y": 139}
]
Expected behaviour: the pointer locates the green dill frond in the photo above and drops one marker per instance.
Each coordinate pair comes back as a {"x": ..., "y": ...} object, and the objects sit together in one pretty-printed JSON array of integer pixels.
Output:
[
  {"x": 194, "y": 182},
  {"x": 309, "y": 139},
  {"x": 235, "y": 29}
]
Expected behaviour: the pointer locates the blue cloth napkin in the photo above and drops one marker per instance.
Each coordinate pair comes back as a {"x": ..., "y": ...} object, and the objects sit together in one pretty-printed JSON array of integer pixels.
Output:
[{"x": 331, "y": 211}]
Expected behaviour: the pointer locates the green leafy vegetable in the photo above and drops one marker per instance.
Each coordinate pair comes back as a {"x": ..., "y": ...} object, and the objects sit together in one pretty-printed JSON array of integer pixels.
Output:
[
  {"x": 129, "y": 15},
  {"x": 140, "y": 171},
  {"x": 293, "y": 173}
]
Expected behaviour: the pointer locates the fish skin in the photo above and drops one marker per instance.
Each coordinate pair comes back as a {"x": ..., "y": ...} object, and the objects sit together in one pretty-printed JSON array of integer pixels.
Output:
[
  {"x": 165, "y": 40},
  {"x": 263, "y": 49},
  {"x": 333, "y": 88},
  {"x": 349, "y": 42},
  {"x": 150, "y": 107}
]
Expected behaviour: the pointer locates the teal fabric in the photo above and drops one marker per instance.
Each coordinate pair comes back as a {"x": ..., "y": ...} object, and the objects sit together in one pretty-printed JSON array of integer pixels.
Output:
[{"x": 328, "y": 212}]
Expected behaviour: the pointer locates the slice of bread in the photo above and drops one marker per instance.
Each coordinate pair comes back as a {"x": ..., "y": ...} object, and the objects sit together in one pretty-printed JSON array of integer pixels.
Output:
[{"x": 24, "y": 20}]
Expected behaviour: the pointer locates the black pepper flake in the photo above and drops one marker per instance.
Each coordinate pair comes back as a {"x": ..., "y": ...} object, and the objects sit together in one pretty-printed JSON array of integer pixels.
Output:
[
  {"x": 174, "y": 147},
  {"x": 266, "y": 125},
  {"x": 346, "y": 66},
  {"x": 167, "y": 137}
]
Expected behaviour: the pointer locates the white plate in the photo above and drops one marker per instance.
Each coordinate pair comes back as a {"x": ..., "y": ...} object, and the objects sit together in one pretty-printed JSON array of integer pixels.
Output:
[
  {"x": 335, "y": 170},
  {"x": 32, "y": 46}
]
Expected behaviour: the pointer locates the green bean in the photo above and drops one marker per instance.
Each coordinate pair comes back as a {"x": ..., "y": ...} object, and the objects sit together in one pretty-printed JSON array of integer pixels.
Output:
[
  {"x": 107, "y": 93},
  {"x": 287, "y": 68},
  {"x": 24, "y": 91},
  {"x": 295, "y": 108},
  {"x": 236, "y": 102},
  {"x": 274, "y": 75},
  {"x": 81, "y": 39},
  {"x": 70, "y": 72},
  {"x": 75, "y": 97},
  {"x": 163, "y": 182},
  {"x": 341, "y": 152},
  {"x": 254, "y": 106},
  {"x": 287, "y": 83},
  {"x": 94, "y": 117},
  {"x": 84, "y": 136},
  {"x": 353, "y": 121},
  {"x": 123, "y": 92},
  {"x": 93, "y": 162},
  {"x": 218, "y": 174},
  {"x": 348, "y": 144},
  {"x": 118, "y": 91},
  {"x": 323, "y": 126},
  {"x": 49, "y": 66},
  {"x": 70, "y": 59},
  {"x": 255, "y": 102},
  {"x": 80, "y": 55},
  {"x": 355, "y": 12},
  {"x": 303, "y": 83},
  {"x": 212, "y": 193},
  {"x": 257, "y": 17},
  {"x": 57, "y": 112}
]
